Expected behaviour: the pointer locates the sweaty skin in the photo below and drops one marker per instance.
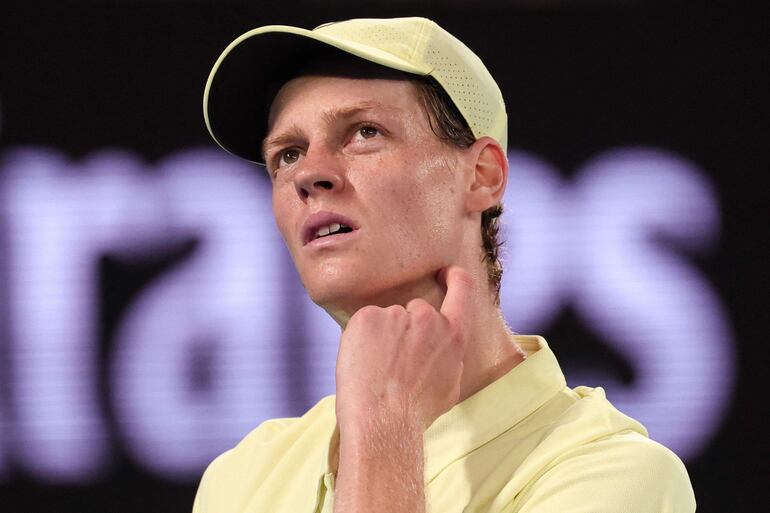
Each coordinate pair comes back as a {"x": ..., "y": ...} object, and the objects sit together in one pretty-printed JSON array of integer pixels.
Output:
[{"x": 421, "y": 330}]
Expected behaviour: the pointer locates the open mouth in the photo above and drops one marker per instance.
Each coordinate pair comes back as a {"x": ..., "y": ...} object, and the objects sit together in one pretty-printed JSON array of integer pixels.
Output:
[
  {"x": 326, "y": 224},
  {"x": 331, "y": 229}
]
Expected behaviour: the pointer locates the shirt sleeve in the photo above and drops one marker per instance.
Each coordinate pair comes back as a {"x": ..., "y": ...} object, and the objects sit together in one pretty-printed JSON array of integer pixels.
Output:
[
  {"x": 223, "y": 486},
  {"x": 200, "y": 504},
  {"x": 208, "y": 487},
  {"x": 629, "y": 474}
]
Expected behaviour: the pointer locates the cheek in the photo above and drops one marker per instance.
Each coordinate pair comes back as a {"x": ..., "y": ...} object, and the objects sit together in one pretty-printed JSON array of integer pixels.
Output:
[
  {"x": 282, "y": 209},
  {"x": 420, "y": 207}
]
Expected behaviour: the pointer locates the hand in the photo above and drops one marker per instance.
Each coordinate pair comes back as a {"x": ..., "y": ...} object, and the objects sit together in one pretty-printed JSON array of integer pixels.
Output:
[{"x": 404, "y": 364}]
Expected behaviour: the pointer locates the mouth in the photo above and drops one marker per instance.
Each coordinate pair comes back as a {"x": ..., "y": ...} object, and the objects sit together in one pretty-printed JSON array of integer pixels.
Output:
[{"x": 326, "y": 225}]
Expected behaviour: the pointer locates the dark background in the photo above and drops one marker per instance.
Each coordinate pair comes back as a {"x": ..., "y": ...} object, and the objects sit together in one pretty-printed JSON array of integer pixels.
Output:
[{"x": 579, "y": 77}]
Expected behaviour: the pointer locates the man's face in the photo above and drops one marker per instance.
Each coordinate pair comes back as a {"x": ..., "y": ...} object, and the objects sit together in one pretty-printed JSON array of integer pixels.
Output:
[{"x": 361, "y": 154}]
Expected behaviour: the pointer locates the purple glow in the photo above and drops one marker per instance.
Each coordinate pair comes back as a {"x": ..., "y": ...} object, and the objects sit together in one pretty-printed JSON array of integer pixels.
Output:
[
  {"x": 224, "y": 295},
  {"x": 53, "y": 241},
  {"x": 591, "y": 244},
  {"x": 236, "y": 307},
  {"x": 656, "y": 307}
]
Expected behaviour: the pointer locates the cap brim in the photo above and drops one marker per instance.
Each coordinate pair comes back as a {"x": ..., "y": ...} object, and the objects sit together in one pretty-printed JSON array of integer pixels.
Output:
[{"x": 245, "y": 78}]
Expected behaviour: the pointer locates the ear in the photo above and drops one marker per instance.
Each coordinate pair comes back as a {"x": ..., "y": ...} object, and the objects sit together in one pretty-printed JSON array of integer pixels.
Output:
[{"x": 490, "y": 175}]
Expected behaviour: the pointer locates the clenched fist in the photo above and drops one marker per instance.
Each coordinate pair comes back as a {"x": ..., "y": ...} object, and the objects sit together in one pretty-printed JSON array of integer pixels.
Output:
[{"x": 404, "y": 363}]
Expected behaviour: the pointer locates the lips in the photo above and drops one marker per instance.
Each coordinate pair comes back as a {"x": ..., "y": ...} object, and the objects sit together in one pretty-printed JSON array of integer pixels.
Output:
[{"x": 319, "y": 220}]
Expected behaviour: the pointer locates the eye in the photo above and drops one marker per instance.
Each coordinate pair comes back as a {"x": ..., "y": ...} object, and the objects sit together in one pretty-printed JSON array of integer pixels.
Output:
[
  {"x": 366, "y": 137},
  {"x": 367, "y": 132},
  {"x": 281, "y": 158},
  {"x": 288, "y": 157}
]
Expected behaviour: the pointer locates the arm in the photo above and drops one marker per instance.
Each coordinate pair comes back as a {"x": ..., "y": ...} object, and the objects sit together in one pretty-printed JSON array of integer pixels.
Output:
[
  {"x": 381, "y": 467},
  {"x": 398, "y": 369}
]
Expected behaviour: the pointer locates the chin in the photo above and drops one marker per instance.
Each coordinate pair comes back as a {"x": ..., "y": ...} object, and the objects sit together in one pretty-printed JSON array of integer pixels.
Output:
[
  {"x": 332, "y": 287},
  {"x": 339, "y": 300},
  {"x": 350, "y": 291}
]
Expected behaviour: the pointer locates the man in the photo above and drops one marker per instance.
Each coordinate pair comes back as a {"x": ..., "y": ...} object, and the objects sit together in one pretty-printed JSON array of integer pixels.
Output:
[{"x": 385, "y": 144}]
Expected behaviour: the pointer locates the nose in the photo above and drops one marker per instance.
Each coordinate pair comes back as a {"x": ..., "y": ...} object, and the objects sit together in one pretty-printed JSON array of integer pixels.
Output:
[{"x": 319, "y": 174}]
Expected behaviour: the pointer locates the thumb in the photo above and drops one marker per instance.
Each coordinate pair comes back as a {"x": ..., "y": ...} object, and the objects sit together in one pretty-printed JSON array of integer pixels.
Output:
[{"x": 459, "y": 295}]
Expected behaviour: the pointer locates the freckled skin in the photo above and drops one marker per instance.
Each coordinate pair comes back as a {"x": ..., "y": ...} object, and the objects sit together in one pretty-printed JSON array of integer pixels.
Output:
[{"x": 400, "y": 186}]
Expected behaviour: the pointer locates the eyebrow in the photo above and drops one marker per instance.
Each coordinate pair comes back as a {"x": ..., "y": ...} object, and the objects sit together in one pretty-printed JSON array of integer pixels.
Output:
[
  {"x": 287, "y": 137},
  {"x": 329, "y": 117}
]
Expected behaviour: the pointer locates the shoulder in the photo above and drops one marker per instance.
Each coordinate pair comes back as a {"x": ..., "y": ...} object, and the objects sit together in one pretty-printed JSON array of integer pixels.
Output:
[
  {"x": 283, "y": 432},
  {"x": 595, "y": 459},
  {"x": 621, "y": 472},
  {"x": 235, "y": 471},
  {"x": 629, "y": 457}
]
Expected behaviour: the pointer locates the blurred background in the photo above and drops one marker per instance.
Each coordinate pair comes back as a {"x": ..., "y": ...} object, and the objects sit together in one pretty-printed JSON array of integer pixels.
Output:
[{"x": 150, "y": 316}]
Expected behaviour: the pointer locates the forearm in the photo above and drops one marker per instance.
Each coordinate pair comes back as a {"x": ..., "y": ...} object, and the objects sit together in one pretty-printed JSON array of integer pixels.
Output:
[
  {"x": 380, "y": 468},
  {"x": 398, "y": 369}
]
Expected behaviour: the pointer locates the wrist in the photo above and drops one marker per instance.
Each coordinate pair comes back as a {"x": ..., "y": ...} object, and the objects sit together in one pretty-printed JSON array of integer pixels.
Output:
[
  {"x": 392, "y": 407},
  {"x": 383, "y": 421},
  {"x": 380, "y": 453},
  {"x": 379, "y": 435}
]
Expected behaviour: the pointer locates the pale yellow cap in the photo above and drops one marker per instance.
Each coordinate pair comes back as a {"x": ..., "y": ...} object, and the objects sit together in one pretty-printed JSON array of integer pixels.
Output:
[{"x": 240, "y": 81}]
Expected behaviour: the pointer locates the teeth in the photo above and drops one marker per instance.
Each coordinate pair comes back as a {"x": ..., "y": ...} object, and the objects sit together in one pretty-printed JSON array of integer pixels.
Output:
[{"x": 326, "y": 230}]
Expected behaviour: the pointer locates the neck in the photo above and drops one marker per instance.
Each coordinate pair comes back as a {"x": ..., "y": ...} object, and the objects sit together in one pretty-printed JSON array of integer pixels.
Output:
[{"x": 491, "y": 351}]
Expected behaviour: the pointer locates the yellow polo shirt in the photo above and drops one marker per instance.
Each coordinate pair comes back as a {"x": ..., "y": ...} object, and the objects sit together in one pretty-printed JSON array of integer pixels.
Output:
[{"x": 526, "y": 443}]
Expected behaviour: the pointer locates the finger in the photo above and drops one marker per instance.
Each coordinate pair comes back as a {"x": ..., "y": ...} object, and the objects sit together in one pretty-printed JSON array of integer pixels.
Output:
[
  {"x": 459, "y": 294},
  {"x": 418, "y": 304}
]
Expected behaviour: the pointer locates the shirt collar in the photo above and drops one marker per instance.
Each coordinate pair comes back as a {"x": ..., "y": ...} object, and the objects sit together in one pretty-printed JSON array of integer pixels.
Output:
[{"x": 495, "y": 408}]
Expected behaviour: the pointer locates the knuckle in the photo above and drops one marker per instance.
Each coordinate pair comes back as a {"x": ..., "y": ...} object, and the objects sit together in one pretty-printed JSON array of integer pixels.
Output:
[
  {"x": 420, "y": 309},
  {"x": 366, "y": 313},
  {"x": 416, "y": 304},
  {"x": 396, "y": 315},
  {"x": 395, "y": 310}
]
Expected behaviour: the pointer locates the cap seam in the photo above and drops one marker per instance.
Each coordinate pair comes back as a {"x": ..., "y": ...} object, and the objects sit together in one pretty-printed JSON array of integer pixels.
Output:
[{"x": 422, "y": 43}]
